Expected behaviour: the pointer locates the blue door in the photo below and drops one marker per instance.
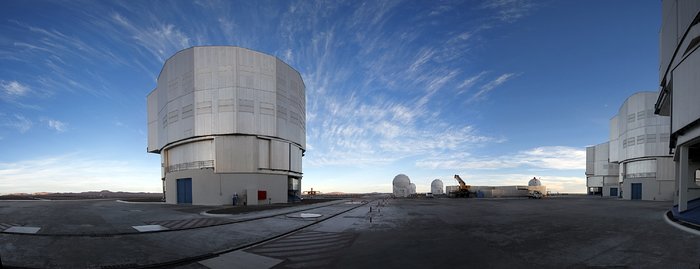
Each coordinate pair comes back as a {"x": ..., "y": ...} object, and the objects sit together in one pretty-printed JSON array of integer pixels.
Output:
[
  {"x": 613, "y": 192},
  {"x": 636, "y": 191},
  {"x": 184, "y": 190}
]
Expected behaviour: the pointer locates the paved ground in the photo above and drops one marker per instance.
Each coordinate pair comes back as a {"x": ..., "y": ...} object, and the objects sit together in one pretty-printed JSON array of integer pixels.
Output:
[
  {"x": 551, "y": 233},
  {"x": 578, "y": 232},
  {"x": 86, "y": 250},
  {"x": 582, "y": 232}
]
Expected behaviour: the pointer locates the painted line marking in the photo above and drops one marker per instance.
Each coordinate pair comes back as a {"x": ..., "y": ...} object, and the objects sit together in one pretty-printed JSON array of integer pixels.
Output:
[
  {"x": 149, "y": 228},
  {"x": 22, "y": 230}
]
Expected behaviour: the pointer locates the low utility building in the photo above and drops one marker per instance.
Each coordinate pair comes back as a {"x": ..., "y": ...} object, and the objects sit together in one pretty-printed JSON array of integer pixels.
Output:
[
  {"x": 601, "y": 175},
  {"x": 534, "y": 184}
]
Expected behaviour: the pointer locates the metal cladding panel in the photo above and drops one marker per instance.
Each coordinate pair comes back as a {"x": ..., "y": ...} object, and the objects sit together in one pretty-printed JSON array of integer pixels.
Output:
[
  {"x": 180, "y": 125},
  {"x": 245, "y": 149},
  {"x": 223, "y": 152},
  {"x": 614, "y": 128},
  {"x": 665, "y": 168},
  {"x": 687, "y": 11},
  {"x": 247, "y": 60},
  {"x": 594, "y": 181},
  {"x": 640, "y": 130},
  {"x": 191, "y": 152},
  {"x": 614, "y": 152},
  {"x": 174, "y": 95},
  {"x": 590, "y": 160},
  {"x": 291, "y": 103},
  {"x": 295, "y": 155},
  {"x": 668, "y": 35},
  {"x": 204, "y": 108},
  {"x": 152, "y": 120},
  {"x": 236, "y": 154},
  {"x": 614, "y": 143},
  {"x": 686, "y": 79},
  {"x": 245, "y": 112},
  {"x": 279, "y": 155},
  {"x": 611, "y": 181},
  {"x": 601, "y": 151},
  {"x": 602, "y": 165},
  {"x": 266, "y": 120},
  {"x": 264, "y": 153},
  {"x": 226, "y": 107}
]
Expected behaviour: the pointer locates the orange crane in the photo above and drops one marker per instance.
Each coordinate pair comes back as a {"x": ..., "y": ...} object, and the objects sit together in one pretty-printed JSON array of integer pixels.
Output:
[{"x": 463, "y": 190}]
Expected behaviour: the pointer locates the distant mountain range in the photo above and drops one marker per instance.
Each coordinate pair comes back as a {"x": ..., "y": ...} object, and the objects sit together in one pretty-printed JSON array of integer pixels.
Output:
[{"x": 87, "y": 194}]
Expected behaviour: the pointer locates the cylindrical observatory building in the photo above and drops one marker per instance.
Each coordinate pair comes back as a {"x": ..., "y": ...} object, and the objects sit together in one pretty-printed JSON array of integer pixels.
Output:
[{"x": 228, "y": 121}]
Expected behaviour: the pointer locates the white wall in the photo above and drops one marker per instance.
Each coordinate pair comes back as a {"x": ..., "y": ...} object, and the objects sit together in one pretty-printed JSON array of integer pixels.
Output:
[
  {"x": 602, "y": 165},
  {"x": 590, "y": 160},
  {"x": 652, "y": 189},
  {"x": 209, "y": 188}
]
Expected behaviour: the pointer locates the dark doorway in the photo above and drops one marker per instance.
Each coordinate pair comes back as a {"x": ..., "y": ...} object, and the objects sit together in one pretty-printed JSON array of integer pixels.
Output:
[
  {"x": 636, "y": 191},
  {"x": 184, "y": 190}
]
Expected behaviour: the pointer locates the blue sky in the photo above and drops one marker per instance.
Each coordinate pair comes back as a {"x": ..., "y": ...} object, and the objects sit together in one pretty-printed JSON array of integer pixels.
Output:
[{"x": 496, "y": 91}]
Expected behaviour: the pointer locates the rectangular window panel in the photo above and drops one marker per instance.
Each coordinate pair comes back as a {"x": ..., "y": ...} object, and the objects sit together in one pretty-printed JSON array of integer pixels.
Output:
[
  {"x": 226, "y": 105},
  {"x": 651, "y": 138},
  {"x": 641, "y": 115},
  {"x": 294, "y": 118},
  {"x": 173, "y": 116},
  {"x": 204, "y": 107},
  {"x": 267, "y": 109},
  {"x": 281, "y": 112},
  {"x": 246, "y": 105},
  {"x": 187, "y": 111},
  {"x": 640, "y": 139}
]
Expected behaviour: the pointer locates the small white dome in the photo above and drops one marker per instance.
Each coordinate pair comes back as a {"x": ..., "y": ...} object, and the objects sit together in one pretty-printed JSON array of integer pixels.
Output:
[
  {"x": 534, "y": 182},
  {"x": 412, "y": 188},
  {"x": 401, "y": 181}
]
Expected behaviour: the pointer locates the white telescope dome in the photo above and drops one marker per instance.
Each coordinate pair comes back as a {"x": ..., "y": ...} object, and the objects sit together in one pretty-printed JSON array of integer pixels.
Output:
[
  {"x": 401, "y": 181},
  {"x": 436, "y": 187}
]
